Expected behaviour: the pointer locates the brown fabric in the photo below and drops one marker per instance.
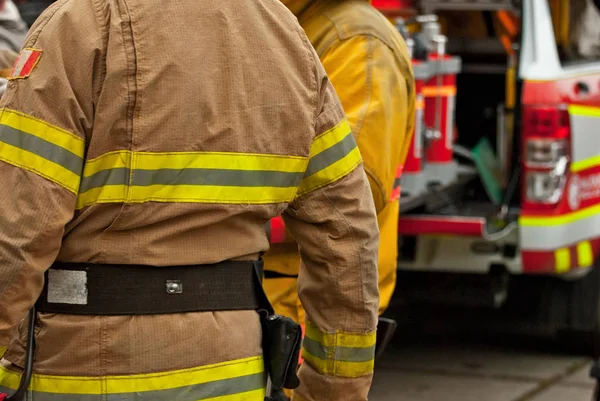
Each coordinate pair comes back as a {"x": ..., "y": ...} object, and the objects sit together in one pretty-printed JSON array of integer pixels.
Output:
[
  {"x": 337, "y": 283},
  {"x": 185, "y": 76},
  {"x": 120, "y": 345}
]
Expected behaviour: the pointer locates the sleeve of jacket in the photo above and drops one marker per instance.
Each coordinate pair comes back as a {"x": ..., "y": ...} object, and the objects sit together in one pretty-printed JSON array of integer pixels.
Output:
[
  {"x": 377, "y": 92},
  {"x": 333, "y": 219},
  {"x": 45, "y": 115}
]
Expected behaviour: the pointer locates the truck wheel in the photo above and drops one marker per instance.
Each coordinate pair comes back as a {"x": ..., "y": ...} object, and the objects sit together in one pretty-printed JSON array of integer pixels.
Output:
[{"x": 573, "y": 309}]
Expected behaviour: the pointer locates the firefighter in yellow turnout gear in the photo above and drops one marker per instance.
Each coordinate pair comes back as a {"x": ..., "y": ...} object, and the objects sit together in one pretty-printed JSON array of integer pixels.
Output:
[{"x": 369, "y": 66}]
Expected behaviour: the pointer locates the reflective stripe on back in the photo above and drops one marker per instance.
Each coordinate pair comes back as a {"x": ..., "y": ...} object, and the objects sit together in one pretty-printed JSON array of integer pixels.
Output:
[
  {"x": 201, "y": 177},
  {"x": 233, "y": 380}
]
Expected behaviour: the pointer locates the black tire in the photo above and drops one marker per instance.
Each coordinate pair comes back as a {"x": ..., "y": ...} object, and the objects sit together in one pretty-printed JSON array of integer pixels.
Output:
[
  {"x": 573, "y": 309},
  {"x": 566, "y": 310}
]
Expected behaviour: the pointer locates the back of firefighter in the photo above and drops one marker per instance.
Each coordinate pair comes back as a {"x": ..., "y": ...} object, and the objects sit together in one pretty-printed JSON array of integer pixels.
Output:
[
  {"x": 369, "y": 66},
  {"x": 138, "y": 133}
]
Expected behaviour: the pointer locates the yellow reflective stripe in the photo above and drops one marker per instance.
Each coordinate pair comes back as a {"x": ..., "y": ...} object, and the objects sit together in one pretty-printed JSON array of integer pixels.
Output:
[
  {"x": 550, "y": 221},
  {"x": 333, "y": 155},
  {"x": 209, "y": 194},
  {"x": 586, "y": 111},
  {"x": 585, "y": 255},
  {"x": 205, "y": 160},
  {"x": 340, "y": 339},
  {"x": 38, "y": 165},
  {"x": 43, "y": 130},
  {"x": 139, "y": 383},
  {"x": 330, "y": 137},
  {"x": 2, "y": 350},
  {"x": 585, "y": 164},
  {"x": 220, "y": 161},
  {"x": 202, "y": 177},
  {"x": 338, "y": 368},
  {"x": 118, "y": 159},
  {"x": 41, "y": 148},
  {"x": 105, "y": 194},
  {"x": 332, "y": 173},
  {"x": 340, "y": 353},
  {"x": 563, "y": 260}
]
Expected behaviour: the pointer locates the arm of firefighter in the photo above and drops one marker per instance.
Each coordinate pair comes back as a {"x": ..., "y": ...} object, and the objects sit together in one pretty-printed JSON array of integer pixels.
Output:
[
  {"x": 334, "y": 222},
  {"x": 377, "y": 94},
  {"x": 44, "y": 116}
]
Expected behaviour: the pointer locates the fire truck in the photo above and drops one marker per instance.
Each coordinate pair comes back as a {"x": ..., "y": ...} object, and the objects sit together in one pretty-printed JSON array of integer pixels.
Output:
[{"x": 500, "y": 202}]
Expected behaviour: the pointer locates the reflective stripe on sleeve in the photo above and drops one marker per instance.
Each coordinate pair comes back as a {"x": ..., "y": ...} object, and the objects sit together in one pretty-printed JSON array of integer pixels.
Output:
[
  {"x": 333, "y": 155},
  {"x": 339, "y": 354},
  {"x": 201, "y": 177},
  {"x": 48, "y": 151},
  {"x": 229, "y": 381},
  {"x": 2, "y": 350}
]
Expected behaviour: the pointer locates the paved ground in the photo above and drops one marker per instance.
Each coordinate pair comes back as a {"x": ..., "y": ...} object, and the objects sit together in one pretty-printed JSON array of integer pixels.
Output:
[{"x": 447, "y": 366}]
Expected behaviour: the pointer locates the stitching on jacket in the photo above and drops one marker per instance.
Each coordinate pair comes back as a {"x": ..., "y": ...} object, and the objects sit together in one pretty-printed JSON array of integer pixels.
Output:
[
  {"x": 103, "y": 30},
  {"x": 369, "y": 65}
]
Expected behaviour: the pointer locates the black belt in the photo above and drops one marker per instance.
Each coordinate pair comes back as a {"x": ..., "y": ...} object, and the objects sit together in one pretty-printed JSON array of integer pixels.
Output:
[{"x": 88, "y": 289}]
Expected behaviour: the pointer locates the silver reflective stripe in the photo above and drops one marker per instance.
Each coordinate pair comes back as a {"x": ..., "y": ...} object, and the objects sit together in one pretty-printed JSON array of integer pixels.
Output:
[
  {"x": 331, "y": 155},
  {"x": 342, "y": 354},
  {"x": 42, "y": 148},
  {"x": 218, "y": 177},
  {"x": 585, "y": 131},
  {"x": 397, "y": 182},
  {"x": 549, "y": 238},
  {"x": 115, "y": 176},
  {"x": 196, "y": 392}
]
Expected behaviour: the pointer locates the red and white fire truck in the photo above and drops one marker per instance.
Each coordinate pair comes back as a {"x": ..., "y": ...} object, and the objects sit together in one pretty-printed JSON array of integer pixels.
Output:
[{"x": 501, "y": 190}]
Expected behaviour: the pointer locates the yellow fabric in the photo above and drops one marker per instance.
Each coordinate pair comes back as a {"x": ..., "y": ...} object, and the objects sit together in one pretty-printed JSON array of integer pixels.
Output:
[
  {"x": 369, "y": 66},
  {"x": 163, "y": 385}
]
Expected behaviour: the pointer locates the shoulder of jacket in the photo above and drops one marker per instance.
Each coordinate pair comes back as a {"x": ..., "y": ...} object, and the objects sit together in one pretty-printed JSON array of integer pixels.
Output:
[
  {"x": 358, "y": 18},
  {"x": 350, "y": 19},
  {"x": 71, "y": 11}
]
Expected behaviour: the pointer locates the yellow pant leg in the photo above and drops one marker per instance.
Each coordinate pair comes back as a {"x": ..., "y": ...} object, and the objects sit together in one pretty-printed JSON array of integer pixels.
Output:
[{"x": 388, "y": 253}]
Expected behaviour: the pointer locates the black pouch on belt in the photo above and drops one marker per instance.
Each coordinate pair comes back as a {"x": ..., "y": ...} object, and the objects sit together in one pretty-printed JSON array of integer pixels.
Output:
[{"x": 282, "y": 341}]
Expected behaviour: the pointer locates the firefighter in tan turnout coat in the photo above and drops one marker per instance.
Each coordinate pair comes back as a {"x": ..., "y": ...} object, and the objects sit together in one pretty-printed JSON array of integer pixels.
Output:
[{"x": 166, "y": 137}]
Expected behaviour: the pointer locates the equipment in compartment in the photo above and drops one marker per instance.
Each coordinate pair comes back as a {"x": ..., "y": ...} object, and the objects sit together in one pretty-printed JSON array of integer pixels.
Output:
[{"x": 430, "y": 158}]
